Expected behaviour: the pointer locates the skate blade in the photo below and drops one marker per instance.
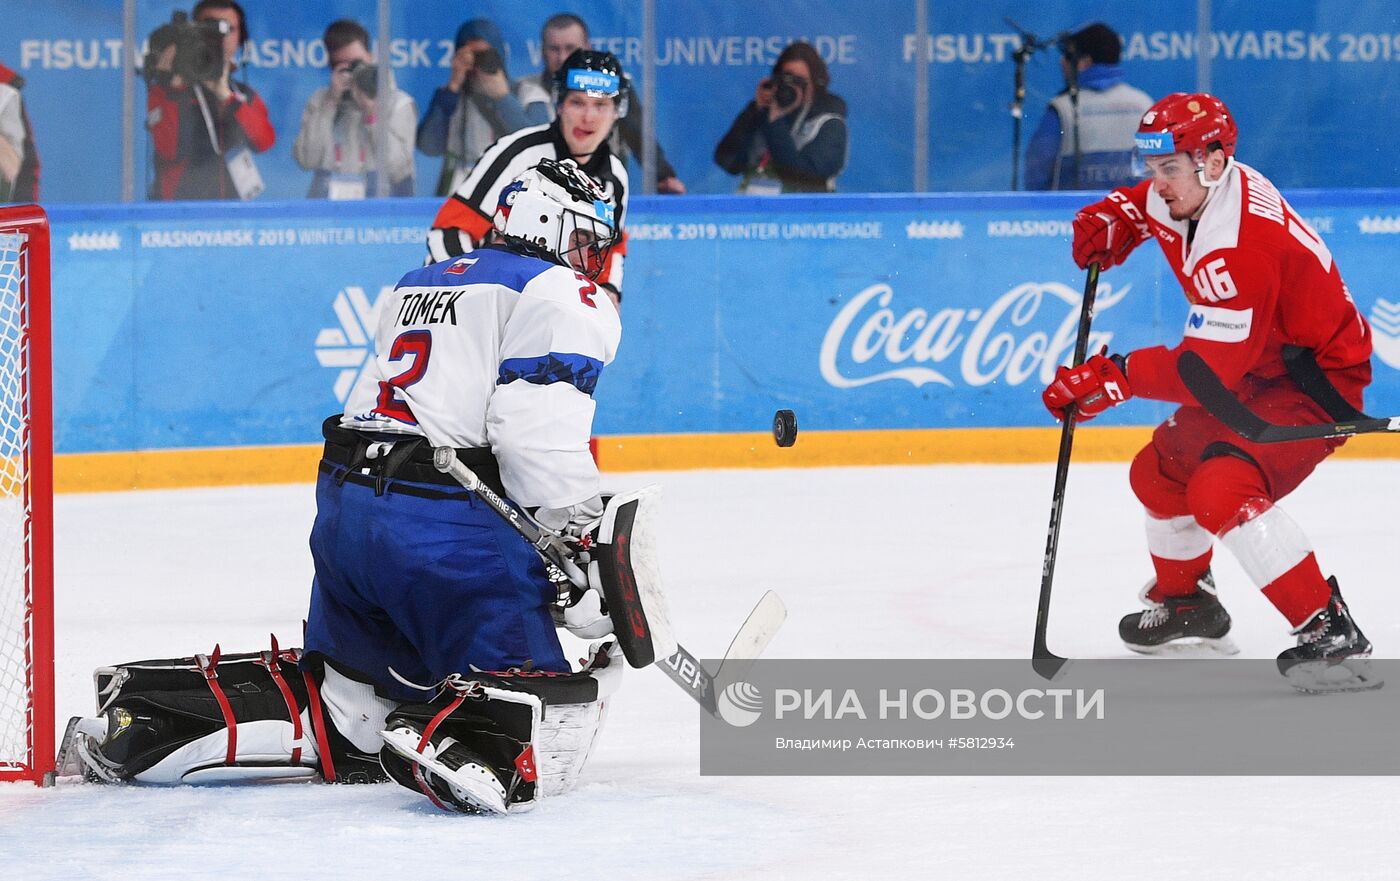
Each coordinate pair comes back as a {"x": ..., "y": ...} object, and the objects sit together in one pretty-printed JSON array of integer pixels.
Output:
[
  {"x": 465, "y": 793},
  {"x": 1321, "y": 677},
  {"x": 78, "y": 760},
  {"x": 68, "y": 764},
  {"x": 1190, "y": 647}
]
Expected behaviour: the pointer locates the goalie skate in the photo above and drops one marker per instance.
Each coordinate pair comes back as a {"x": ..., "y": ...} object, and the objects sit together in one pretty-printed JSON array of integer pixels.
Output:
[
  {"x": 456, "y": 777},
  {"x": 80, "y": 754}
]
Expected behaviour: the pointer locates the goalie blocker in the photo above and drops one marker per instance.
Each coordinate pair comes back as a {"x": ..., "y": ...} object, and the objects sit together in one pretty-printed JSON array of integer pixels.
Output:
[{"x": 624, "y": 569}]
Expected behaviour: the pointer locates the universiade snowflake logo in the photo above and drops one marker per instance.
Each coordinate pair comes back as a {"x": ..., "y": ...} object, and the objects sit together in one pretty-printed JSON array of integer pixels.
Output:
[
  {"x": 1379, "y": 225},
  {"x": 106, "y": 240},
  {"x": 1385, "y": 332},
  {"x": 934, "y": 229},
  {"x": 346, "y": 348}
]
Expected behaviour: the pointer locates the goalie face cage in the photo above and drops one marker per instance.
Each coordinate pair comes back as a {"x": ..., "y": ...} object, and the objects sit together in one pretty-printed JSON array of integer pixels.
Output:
[{"x": 26, "y": 498}]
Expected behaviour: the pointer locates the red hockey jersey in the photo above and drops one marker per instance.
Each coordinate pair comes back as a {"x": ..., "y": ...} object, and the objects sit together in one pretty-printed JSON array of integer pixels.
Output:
[{"x": 1258, "y": 279}]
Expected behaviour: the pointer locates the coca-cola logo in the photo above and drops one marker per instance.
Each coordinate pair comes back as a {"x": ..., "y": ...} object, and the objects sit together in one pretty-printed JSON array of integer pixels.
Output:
[{"x": 871, "y": 340}]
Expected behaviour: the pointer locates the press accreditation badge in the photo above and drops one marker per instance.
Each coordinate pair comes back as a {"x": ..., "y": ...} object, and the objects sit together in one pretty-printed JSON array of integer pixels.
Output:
[
  {"x": 244, "y": 172},
  {"x": 345, "y": 187}
]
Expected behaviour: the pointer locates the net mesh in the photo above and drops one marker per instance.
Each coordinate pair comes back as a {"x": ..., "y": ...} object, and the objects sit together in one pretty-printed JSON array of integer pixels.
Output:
[{"x": 16, "y": 651}]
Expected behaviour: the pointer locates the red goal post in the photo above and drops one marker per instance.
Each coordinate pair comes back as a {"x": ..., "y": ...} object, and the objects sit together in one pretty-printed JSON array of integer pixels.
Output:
[{"x": 26, "y": 498}]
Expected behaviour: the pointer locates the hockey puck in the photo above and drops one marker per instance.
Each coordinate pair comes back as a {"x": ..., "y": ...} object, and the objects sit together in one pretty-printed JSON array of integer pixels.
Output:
[{"x": 785, "y": 428}]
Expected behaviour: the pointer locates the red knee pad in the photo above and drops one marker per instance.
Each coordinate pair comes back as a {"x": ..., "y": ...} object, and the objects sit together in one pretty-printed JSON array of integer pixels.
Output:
[
  {"x": 1158, "y": 493},
  {"x": 1226, "y": 491}
]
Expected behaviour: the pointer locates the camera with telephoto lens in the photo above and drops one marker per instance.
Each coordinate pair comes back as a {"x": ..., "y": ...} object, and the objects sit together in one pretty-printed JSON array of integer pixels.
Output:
[
  {"x": 489, "y": 61},
  {"x": 199, "y": 49},
  {"x": 789, "y": 88},
  {"x": 365, "y": 77}
]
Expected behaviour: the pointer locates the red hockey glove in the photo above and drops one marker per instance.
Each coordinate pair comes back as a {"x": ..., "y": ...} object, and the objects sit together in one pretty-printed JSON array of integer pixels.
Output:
[
  {"x": 1092, "y": 387},
  {"x": 1107, "y": 231}
]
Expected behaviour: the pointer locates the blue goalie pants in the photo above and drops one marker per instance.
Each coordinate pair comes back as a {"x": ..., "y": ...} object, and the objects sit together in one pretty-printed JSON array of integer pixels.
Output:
[{"x": 427, "y": 581}]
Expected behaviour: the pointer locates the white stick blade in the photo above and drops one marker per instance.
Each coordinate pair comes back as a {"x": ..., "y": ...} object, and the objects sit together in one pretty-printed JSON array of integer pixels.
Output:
[{"x": 753, "y": 637}]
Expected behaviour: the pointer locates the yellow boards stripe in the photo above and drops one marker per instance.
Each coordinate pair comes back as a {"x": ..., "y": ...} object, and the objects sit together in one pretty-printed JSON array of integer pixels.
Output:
[{"x": 237, "y": 466}]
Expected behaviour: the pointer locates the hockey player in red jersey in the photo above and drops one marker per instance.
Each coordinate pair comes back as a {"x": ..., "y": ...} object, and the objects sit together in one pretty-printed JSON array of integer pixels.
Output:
[{"x": 1271, "y": 315}]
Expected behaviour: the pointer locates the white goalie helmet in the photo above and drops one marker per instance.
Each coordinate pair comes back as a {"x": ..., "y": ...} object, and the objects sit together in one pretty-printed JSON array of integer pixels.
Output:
[{"x": 556, "y": 212}]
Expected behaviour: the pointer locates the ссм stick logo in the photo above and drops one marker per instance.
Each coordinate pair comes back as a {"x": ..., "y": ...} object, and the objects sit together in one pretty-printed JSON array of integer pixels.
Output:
[{"x": 740, "y": 704}]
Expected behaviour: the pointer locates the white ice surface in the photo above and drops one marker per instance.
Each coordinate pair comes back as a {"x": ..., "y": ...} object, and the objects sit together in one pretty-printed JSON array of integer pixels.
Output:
[{"x": 872, "y": 562}]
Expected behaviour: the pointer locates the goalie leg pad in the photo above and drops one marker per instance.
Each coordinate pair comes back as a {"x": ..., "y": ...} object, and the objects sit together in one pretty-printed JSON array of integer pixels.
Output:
[
  {"x": 215, "y": 718},
  {"x": 498, "y": 742},
  {"x": 626, "y": 571},
  {"x": 207, "y": 718}
]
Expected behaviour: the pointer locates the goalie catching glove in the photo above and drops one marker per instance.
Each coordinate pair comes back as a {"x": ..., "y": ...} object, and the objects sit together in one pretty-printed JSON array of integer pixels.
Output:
[{"x": 1092, "y": 387}]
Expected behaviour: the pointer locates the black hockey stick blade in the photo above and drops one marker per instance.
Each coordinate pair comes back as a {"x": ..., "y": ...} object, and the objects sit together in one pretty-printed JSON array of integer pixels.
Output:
[
  {"x": 1047, "y": 664},
  {"x": 1221, "y": 403}
]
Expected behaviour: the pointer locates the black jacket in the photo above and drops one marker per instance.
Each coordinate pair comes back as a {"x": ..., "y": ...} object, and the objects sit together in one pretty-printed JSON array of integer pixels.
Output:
[{"x": 805, "y": 150}]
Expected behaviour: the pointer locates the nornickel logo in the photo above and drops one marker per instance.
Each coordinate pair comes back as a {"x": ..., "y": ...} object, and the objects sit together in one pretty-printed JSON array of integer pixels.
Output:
[{"x": 740, "y": 704}]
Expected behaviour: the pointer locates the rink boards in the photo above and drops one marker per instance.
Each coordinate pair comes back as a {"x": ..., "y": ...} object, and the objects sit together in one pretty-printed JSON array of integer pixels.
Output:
[{"x": 202, "y": 345}]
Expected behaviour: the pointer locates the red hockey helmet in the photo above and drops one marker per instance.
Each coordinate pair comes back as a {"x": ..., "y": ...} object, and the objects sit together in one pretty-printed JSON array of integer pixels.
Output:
[{"x": 1185, "y": 122}]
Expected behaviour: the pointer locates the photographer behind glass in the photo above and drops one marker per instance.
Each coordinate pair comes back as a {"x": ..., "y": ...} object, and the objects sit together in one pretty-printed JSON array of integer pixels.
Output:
[
  {"x": 474, "y": 109},
  {"x": 204, "y": 127},
  {"x": 336, "y": 140},
  {"x": 791, "y": 138}
]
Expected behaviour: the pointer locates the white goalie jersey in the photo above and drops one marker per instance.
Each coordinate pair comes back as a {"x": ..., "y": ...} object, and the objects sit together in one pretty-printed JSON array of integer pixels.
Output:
[{"x": 494, "y": 349}]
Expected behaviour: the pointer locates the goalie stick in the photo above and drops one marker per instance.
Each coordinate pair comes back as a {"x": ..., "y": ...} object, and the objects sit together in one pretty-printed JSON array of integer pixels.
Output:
[
  {"x": 753, "y": 637},
  {"x": 681, "y": 666},
  {"x": 1220, "y": 402},
  {"x": 1045, "y": 662}
]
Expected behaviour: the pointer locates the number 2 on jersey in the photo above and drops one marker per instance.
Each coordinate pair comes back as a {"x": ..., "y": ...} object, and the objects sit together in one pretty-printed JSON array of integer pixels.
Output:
[
  {"x": 585, "y": 293},
  {"x": 415, "y": 343}
]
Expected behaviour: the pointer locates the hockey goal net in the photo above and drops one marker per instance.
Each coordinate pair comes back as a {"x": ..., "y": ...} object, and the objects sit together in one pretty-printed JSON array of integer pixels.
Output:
[{"x": 26, "y": 498}]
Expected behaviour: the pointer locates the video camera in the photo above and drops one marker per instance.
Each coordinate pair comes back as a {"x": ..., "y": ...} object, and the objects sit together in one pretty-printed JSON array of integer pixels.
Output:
[{"x": 199, "y": 49}]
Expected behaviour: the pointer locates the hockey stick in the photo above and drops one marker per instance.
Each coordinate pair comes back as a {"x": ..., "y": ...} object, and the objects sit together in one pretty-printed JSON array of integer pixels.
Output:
[
  {"x": 682, "y": 666},
  {"x": 1047, "y": 663},
  {"x": 753, "y": 637},
  {"x": 1211, "y": 393},
  {"x": 551, "y": 547}
]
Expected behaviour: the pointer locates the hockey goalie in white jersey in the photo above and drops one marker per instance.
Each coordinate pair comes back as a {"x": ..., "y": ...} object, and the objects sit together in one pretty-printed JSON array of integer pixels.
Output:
[{"x": 419, "y": 585}]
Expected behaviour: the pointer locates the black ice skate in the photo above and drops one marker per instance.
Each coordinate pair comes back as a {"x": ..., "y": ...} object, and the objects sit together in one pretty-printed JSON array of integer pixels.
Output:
[
  {"x": 1196, "y": 619},
  {"x": 1330, "y": 653},
  {"x": 103, "y": 749}
]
